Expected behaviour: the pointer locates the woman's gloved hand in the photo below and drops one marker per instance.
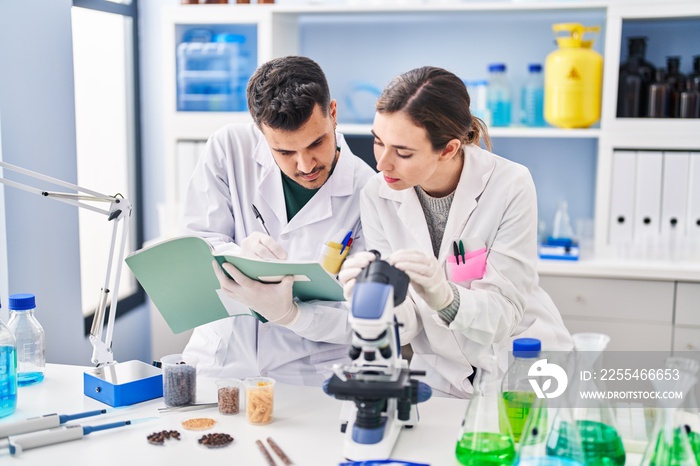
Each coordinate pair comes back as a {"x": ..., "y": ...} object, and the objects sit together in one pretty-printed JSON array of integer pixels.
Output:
[
  {"x": 261, "y": 246},
  {"x": 351, "y": 268},
  {"x": 427, "y": 277},
  {"x": 274, "y": 301}
]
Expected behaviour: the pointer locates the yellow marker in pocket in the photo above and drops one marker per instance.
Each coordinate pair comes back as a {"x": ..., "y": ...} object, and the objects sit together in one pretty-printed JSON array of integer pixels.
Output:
[{"x": 332, "y": 258}]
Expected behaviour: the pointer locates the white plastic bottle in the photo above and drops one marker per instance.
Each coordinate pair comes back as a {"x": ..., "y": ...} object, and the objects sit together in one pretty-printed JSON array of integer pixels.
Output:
[
  {"x": 499, "y": 100},
  {"x": 31, "y": 346},
  {"x": 532, "y": 97}
]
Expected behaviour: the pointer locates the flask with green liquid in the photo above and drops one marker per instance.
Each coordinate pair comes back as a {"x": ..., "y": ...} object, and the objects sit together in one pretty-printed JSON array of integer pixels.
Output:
[
  {"x": 595, "y": 419},
  {"x": 485, "y": 437}
]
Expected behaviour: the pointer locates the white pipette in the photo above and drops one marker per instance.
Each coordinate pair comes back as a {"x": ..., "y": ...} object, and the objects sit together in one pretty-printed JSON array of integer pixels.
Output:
[
  {"x": 43, "y": 422},
  {"x": 42, "y": 438}
]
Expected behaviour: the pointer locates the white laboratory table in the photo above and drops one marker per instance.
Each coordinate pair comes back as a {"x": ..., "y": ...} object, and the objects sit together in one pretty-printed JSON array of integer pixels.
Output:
[{"x": 305, "y": 426}]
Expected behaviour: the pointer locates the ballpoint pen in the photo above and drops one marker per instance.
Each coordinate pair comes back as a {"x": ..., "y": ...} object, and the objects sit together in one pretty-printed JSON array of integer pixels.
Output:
[
  {"x": 346, "y": 241},
  {"x": 455, "y": 251},
  {"x": 43, "y": 422},
  {"x": 260, "y": 218},
  {"x": 461, "y": 251}
]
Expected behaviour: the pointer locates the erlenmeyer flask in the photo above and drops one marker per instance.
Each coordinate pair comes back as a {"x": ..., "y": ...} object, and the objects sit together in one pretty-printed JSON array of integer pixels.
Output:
[
  {"x": 687, "y": 415},
  {"x": 485, "y": 438},
  {"x": 550, "y": 437},
  {"x": 601, "y": 442},
  {"x": 669, "y": 444}
]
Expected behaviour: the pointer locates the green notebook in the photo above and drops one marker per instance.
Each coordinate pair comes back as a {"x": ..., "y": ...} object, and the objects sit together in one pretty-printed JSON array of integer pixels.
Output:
[{"x": 178, "y": 277}]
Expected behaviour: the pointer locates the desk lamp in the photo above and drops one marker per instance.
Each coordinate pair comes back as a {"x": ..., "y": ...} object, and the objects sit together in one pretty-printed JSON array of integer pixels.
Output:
[{"x": 112, "y": 383}]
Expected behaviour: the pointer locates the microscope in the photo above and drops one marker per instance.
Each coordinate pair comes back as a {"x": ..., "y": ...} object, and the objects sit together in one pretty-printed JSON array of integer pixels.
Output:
[{"x": 379, "y": 395}]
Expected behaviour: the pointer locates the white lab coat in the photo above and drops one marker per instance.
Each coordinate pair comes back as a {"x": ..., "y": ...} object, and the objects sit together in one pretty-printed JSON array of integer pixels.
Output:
[
  {"x": 495, "y": 202},
  {"x": 236, "y": 171}
]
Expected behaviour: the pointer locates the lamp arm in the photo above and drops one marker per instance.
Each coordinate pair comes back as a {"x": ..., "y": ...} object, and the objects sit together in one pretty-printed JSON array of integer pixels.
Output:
[{"x": 120, "y": 212}]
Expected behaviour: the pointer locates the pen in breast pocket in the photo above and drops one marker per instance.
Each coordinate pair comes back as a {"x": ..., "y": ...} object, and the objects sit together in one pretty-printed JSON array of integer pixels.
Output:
[
  {"x": 455, "y": 251},
  {"x": 260, "y": 218},
  {"x": 347, "y": 241}
]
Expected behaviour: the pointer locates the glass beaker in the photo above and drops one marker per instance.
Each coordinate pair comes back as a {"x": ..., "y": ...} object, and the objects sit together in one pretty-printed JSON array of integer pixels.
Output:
[
  {"x": 550, "y": 437},
  {"x": 229, "y": 395},
  {"x": 687, "y": 415},
  {"x": 260, "y": 396},
  {"x": 594, "y": 417},
  {"x": 669, "y": 444},
  {"x": 485, "y": 437}
]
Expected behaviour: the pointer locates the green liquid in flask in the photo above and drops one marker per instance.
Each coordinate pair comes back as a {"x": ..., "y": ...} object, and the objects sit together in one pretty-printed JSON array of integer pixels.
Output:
[
  {"x": 485, "y": 449},
  {"x": 602, "y": 445},
  {"x": 671, "y": 455},
  {"x": 694, "y": 439},
  {"x": 518, "y": 406}
]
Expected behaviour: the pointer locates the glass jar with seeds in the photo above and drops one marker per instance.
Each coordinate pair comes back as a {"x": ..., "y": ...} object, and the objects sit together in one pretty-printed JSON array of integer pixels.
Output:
[
  {"x": 229, "y": 395},
  {"x": 179, "y": 379}
]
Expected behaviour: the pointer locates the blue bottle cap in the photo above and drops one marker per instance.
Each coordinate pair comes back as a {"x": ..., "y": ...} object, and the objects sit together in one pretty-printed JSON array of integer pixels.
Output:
[
  {"x": 497, "y": 67},
  {"x": 22, "y": 302},
  {"x": 534, "y": 68},
  {"x": 526, "y": 347}
]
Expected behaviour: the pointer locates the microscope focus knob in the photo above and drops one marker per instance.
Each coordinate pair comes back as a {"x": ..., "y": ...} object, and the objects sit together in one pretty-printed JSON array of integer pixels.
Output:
[{"x": 354, "y": 352}]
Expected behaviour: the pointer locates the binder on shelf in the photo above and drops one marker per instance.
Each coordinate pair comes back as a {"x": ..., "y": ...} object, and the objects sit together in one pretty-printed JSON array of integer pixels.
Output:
[
  {"x": 622, "y": 197},
  {"x": 693, "y": 219},
  {"x": 674, "y": 195},
  {"x": 178, "y": 276},
  {"x": 647, "y": 195}
]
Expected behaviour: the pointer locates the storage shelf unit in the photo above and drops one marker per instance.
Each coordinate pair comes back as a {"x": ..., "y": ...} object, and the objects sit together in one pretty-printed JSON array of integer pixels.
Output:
[{"x": 297, "y": 29}]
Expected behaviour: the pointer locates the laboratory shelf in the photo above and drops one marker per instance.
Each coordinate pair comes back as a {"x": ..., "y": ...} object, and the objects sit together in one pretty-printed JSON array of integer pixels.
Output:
[
  {"x": 198, "y": 126},
  {"x": 624, "y": 269},
  {"x": 510, "y": 132}
]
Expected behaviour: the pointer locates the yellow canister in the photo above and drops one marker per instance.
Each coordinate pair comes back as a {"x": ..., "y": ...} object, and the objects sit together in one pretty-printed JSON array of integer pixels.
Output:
[{"x": 573, "y": 79}]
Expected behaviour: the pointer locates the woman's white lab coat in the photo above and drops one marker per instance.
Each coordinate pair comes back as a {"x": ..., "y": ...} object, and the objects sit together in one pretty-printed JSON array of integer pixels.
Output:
[
  {"x": 236, "y": 171},
  {"x": 495, "y": 203}
]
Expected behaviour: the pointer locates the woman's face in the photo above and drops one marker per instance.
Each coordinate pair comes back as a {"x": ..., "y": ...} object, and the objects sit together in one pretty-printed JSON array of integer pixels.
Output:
[{"x": 403, "y": 152}]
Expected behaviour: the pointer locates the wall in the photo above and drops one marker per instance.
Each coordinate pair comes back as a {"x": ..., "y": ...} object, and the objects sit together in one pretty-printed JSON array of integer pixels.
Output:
[{"x": 38, "y": 133}]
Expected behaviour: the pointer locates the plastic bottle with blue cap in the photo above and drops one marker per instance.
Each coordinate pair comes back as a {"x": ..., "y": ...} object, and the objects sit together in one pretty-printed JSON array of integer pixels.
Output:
[
  {"x": 8, "y": 371},
  {"x": 31, "y": 346},
  {"x": 518, "y": 394},
  {"x": 499, "y": 99},
  {"x": 532, "y": 98}
]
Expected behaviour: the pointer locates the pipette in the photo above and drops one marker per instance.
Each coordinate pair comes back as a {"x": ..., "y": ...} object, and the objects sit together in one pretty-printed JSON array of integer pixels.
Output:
[
  {"x": 42, "y": 438},
  {"x": 47, "y": 421}
]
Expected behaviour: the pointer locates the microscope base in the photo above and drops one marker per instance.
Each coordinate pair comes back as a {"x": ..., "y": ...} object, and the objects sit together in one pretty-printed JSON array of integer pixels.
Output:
[{"x": 123, "y": 384}]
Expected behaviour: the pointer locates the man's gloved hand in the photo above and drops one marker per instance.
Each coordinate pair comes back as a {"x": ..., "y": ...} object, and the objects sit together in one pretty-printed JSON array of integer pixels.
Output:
[
  {"x": 427, "y": 277},
  {"x": 273, "y": 301},
  {"x": 261, "y": 246},
  {"x": 351, "y": 268}
]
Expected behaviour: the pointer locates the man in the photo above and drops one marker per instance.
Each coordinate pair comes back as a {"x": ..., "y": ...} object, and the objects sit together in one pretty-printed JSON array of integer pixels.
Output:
[{"x": 276, "y": 188}]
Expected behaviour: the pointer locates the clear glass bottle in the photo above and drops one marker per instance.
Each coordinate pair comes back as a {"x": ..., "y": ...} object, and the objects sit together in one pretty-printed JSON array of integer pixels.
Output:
[
  {"x": 485, "y": 438},
  {"x": 499, "y": 95},
  {"x": 31, "y": 346},
  {"x": 8, "y": 371},
  {"x": 518, "y": 394},
  {"x": 636, "y": 74},
  {"x": 532, "y": 98}
]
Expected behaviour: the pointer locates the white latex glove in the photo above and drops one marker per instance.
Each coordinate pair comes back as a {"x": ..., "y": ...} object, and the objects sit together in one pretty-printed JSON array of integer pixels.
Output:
[
  {"x": 351, "y": 268},
  {"x": 273, "y": 301},
  {"x": 427, "y": 277},
  {"x": 261, "y": 246}
]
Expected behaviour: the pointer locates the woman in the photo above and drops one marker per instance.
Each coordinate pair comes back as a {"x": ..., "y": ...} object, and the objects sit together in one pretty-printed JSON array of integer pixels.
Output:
[{"x": 437, "y": 187}]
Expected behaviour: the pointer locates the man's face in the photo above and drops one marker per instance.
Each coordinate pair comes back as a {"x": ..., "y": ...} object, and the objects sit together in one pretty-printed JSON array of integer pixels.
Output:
[{"x": 308, "y": 154}]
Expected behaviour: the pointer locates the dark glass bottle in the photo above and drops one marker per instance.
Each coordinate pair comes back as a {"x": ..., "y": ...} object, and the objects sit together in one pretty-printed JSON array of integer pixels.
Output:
[
  {"x": 676, "y": 84},
  {"x": 694, "y": 76},
  {"x": 658, "y": 96},
  {"x": 635, "y": 76},
  {"x": 690, "y": 101}
]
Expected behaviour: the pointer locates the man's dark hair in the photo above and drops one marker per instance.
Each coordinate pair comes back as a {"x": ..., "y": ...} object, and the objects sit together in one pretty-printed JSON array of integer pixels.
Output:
[{"x": 282, "y": 92}]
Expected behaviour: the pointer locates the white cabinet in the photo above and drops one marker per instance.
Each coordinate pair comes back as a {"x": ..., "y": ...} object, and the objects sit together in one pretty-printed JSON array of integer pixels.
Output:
[{"x": 637, "y": 314}]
